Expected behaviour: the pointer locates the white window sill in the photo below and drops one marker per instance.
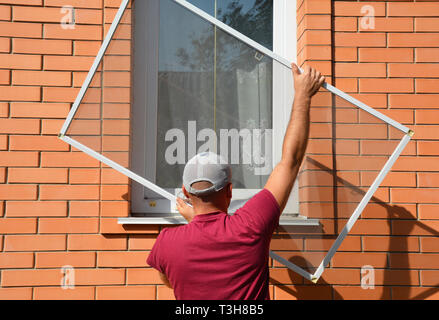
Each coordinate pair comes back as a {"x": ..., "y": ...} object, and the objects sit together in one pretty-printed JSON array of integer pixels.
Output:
[{"x": 173, "y": 219}]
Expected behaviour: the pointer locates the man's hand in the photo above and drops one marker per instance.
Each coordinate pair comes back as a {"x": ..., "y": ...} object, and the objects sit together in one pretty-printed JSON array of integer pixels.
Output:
[
  {"x": 307, "y": 83},
  {"x": 185, "y": 210}
]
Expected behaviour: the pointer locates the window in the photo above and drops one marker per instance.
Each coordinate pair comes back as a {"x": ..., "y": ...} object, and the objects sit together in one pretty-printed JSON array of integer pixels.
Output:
[{"x": 197, "y": 88}]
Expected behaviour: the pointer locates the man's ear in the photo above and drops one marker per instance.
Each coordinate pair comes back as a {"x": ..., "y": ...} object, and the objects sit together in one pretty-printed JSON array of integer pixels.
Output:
[
  {"x": 186, "y": 194},
  {"x": 229, "y": 190}
]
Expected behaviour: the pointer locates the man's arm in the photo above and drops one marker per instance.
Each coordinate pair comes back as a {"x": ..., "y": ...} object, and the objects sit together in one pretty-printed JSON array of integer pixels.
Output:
[{"x": 282, "y": 178}]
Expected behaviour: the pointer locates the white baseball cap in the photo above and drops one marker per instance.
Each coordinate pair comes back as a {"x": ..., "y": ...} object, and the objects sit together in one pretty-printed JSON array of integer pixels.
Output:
[{"x": 210, "y": 167}]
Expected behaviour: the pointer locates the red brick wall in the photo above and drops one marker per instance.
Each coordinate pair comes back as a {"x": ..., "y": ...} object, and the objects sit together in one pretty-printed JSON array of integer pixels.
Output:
[{"x": 59, "y": 207}]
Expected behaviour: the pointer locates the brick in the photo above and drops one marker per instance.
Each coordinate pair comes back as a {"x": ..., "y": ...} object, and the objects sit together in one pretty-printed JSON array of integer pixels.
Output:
[
  {"x": 20, "y": 93},
  {"x": 412, "y": 9},
  {"x": 427, "y": 54},
  {"x": 426, "y": 25},
  {"x": 364, "y": 163},
  {"x": 360, "y": 39},
  {"x": 165, "y": 293},
  {"x": 430, "y": 244},
  {"x": 59, "y": 94},
  {"x": 84, "y": 209},
  {"x": 5, "y": 13},
  {"x": 18, "y": 225},
  {"x": 141, "y": 242},
  {"x": 96, "y": 4},
  {"x": 4, "y": 109},
  {"x": 27, "y": 278},
  {"x": 39, "y": 110},
  {"x": 346, "y": 259},
  {"x": 42, "y": 78},
  {"x": 86, "y": 16},
  {"x": 60, "y": 259},
  {"x": 69, "y": 192},
  {"x": 428, "y": 148},
  {"x": 5, "y": 45},
  {"x": 68, "y": 63},
  {"x": 345, "y": 24},
  {"x": 84, "y": 176},
  {"x": 122, "y": 259},
  {"x": 369, "y": 226},
  {"x": 358, "y": 293},
  {"x": 345, "y": 54},
  {"x": 20, "y": 29},
  {"x": 350, "y": 8},
  {"x": 117, "y": 192},
  {"x": 411, "y": 40},
  {"x": 80, "y": 32},
  {"x": 415, "y": 293},
  {"x": 430, "y": 277},
  {"x": 116, "y": 127},
  {"x": 143, "y": 276},
  {"x": 3, "y": 142},
  {"x": 2, "y": 175},
  {"x": 413, "y": 70},
  {"x": 389, "y": 25},
  {"x": 35, "y": 242},
  {"x": 126, "y": 292},
  {"x": 51, "y": 126},
  {"x": 58, "y": 293},
  {"x": 37, "y": 14},
  {"x": 87, "y": 48},
  {"x": 385, "y": 55},
  {"x": 428, "y": 180},
  {"x": 302, "y": 292},
  {"x": 427, "y": 85},
  {"x": 393, "y": 179},
  {"x": 386, "y": 85},
  {"x": 15, "y": 293},
  {"x": 68, "y": 225},
  {"x": 19, "y": 126},
  {"x": 351, "y": 243},
  {"x": 16, "y": 260},
  {"x": 403, "y": 227},
  {"x": 414, "y": 163},
  {"x": 360, "y": 70},
  {"x": 415, "y": 101},
  {"x": 99, "y": 276},
  {"x": 67, "y": 160},
  {"x": 42, "y": 46},
  {"x": 115, "y": 208},
  {"x": 37, "y": 143},
  {"x": 414, "y": 261},
  {"x": 281, "y": 276},
  {"x": 36, "y": 209},
  {"x": 18, "y": 192},
  {"x": 23, "y": 2},
  {"x": 378, "y": 100},
  {"x": 5, "y": 77},
  {"x": 96, "y": 242},
  {"x": 414, "y": 195},
  {"x": 111, "y": 176},
  {"x": 391, "y": 244},
  {"x": 309, "y": 37}
]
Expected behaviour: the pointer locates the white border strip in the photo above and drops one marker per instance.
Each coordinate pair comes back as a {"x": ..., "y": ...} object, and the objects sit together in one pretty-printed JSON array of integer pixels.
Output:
[
  {"x": 355, "y": 215},
  {"x": 120, "y": 168},
  {"x": 287, "y": 63},
  {"x": 95, "y": 66}
]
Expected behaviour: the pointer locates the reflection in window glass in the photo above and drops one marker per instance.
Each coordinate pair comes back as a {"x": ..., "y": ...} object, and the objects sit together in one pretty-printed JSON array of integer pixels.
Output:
[{"x": 214, "y": 92}]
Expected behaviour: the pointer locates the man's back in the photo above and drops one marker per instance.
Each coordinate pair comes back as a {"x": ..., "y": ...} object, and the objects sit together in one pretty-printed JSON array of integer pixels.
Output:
[{"x": 217, "y": 256}]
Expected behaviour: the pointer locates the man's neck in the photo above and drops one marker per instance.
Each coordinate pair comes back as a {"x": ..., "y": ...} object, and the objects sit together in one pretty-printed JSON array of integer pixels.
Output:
[{"x": 201, "y": 208}]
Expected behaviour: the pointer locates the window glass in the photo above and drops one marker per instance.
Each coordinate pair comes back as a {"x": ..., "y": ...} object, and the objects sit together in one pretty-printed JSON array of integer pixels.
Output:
[{"x": 214, "y": 91}]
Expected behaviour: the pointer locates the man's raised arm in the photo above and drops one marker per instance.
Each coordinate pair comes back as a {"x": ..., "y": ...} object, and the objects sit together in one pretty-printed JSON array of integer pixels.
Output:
[{"x": 282, "y": 178}]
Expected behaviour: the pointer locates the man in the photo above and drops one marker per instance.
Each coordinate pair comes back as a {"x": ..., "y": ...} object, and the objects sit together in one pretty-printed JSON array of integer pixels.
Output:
[{"x": 221, "y": 257}]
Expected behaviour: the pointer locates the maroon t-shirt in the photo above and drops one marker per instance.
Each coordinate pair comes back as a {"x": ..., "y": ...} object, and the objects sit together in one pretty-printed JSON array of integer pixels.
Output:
[{"x": 220, "y": 257}]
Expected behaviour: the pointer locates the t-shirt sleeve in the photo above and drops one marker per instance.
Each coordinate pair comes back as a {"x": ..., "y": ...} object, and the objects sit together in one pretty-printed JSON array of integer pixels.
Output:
[
  {"x": 155, "y": 257},
  {"x": 261, "y": 213}
]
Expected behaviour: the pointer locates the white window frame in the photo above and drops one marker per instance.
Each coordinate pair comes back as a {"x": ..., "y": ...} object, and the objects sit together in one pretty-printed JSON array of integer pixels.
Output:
[
  {"x": 144, "y": 125},
  {"x": 408, "y": 134}
]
